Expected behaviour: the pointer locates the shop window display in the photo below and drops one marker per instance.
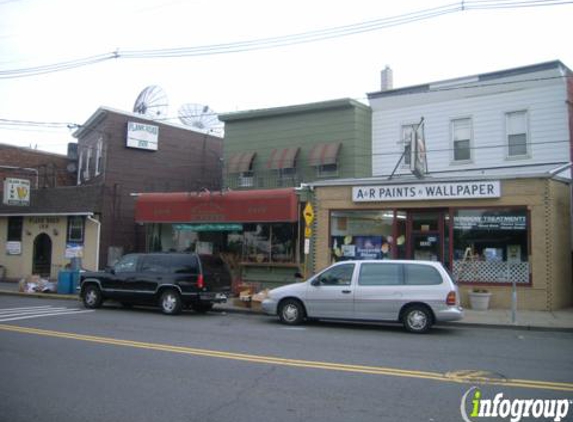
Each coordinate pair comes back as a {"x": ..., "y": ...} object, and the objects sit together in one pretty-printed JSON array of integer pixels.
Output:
[
  {"x": 361, "y": 235},
  {"x": 491, "y": 245}
]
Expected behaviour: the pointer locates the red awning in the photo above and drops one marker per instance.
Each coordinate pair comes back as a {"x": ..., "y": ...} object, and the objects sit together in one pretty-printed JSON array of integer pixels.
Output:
[
  {"x": 240, "y": 162},
  {"x": 254, "y": 206},
  {"x": 283, "y": 158},
  {"x": 323, "y": 154}
]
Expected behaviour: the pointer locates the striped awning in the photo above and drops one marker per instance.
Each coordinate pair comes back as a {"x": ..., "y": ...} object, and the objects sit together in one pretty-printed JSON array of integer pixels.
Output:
[
  {"x": 240, "y": 162},
  {"x": 324, "y": 154},
  {"x": 283, "y": 158}
]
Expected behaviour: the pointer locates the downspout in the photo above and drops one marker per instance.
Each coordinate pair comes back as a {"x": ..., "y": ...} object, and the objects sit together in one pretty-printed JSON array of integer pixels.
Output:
[{"x": 98, "y": 225}]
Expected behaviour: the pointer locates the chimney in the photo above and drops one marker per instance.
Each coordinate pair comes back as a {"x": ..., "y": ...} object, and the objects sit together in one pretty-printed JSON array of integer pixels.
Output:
[{"x": 386, "y": 79}]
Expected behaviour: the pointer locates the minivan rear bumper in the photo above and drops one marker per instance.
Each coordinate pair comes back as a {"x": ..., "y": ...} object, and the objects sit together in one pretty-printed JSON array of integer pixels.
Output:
[{"x": 449, "y": 314}]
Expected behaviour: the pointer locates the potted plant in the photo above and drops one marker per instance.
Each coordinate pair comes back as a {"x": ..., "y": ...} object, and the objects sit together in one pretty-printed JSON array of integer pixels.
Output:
[{"x": 479, "y": 299}]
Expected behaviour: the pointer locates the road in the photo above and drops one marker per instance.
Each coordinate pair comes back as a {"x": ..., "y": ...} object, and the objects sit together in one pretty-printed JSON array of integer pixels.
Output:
[{"x": 116, "y": 364}]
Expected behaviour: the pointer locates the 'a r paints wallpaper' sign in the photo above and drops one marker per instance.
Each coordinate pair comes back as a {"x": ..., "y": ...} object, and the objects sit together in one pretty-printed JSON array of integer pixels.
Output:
[{"x": 427, "y": 191}]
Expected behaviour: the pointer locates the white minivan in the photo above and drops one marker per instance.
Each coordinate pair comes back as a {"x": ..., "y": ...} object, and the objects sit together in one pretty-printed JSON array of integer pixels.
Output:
[{"x": 415, "y": 293}]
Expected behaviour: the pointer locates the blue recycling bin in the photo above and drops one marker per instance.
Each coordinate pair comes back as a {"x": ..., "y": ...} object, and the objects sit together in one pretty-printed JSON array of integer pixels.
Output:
[{"x": 68, "y": 281}]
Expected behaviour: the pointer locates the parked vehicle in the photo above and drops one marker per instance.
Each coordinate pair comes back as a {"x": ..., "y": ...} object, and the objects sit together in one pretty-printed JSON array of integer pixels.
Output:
[
  {"x": 415, "y": 293},
  {"x": 169, "y": 280}
]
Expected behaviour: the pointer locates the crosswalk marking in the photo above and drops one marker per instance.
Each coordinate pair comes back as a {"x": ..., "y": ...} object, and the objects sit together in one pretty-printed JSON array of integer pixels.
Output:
[{"x": 15, "y": 314}]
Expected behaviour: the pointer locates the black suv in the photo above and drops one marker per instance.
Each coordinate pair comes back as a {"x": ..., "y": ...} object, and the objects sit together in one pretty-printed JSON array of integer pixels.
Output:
[{"x": 170, "y": 280}]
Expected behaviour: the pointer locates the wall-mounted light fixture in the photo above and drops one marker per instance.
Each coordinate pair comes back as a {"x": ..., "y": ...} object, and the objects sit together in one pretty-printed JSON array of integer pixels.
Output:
[{"x": 55, "y": 231}]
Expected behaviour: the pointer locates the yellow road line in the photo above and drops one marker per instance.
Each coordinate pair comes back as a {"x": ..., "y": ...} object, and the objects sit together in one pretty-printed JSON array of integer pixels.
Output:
[{"x": 465, "y": 377}]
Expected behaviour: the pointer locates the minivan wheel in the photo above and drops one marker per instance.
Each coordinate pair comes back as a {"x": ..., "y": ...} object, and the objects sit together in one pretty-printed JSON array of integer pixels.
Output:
[
  {"x": 417, "y": 319},
  {"x": 291, "y": 312},
  {"x": 92, "y": 297},
  {"x": 170, "y": 302}
]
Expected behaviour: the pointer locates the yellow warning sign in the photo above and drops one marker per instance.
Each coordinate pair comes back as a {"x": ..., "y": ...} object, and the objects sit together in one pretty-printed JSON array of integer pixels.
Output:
[
  {"x": 307, "y": 232},
  {"x": 308, "y": 214}
]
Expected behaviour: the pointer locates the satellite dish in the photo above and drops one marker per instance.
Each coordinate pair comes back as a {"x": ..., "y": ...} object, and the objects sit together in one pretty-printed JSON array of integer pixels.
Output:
[
  {"x": 151, "y": 102},
  {"x": 200, "y": 117}
]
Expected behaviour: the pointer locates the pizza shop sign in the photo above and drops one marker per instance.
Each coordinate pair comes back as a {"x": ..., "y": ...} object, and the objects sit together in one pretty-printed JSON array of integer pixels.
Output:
[{"x": 427, "y": 191}]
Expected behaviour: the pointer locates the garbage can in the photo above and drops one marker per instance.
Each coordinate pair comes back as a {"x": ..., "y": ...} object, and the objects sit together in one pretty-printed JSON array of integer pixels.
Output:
[{"x": 66, "y": 282}]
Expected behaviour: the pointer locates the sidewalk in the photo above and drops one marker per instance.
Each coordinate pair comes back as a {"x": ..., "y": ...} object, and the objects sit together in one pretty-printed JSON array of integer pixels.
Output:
[{"x": 561, "y": 320}]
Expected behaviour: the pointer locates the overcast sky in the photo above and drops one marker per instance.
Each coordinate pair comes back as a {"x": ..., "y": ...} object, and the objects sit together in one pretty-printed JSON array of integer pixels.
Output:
[{"x": 42, "y": 32}]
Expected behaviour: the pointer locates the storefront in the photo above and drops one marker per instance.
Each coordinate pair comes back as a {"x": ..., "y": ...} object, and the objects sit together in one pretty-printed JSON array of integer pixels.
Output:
[
  {"x": 491, "y": 234},
  {"x": 256, "y": 232}
]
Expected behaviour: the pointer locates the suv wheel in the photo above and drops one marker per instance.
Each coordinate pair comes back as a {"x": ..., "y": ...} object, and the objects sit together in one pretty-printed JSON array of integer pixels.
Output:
[
  {"x": 170, "y": 302},
  {"x": 92, "y": 297},
  {"x": 291, "y": 312},
  {"x": 417, "y": 319}
]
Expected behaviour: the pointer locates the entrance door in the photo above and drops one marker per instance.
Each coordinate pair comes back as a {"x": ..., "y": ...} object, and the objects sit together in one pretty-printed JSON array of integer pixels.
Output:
[
  {"x": 42, "y": 259},
  {"x": 427, "y": 235}
]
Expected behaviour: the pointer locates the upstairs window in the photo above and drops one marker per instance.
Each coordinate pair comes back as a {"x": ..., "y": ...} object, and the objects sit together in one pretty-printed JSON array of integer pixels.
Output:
[
  {"x": 87, "y": 164},
  {"x": 324, "y": 157},
  {"x": 99, "y": 158},
  {"x": 517, "y": 134},
  {"x": 462, "y": 139}
]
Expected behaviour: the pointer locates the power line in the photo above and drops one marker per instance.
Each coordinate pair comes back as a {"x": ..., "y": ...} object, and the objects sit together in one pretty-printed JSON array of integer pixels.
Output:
[{"x": 283, "y": 41}]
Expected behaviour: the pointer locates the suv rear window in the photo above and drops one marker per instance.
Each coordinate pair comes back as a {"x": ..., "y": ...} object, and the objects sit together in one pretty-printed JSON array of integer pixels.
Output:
[
  {"x": 184, "y": 264},
  {"x": 421, "y": 275}
]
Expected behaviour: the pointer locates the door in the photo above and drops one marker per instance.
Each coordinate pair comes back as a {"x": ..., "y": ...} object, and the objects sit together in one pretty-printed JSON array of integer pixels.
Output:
[
  {"x": 330, "y": 294},
  {"x": 426, "y": 235},
  {"x": 42, "y": 258},
  {"x": 379, "y": 291}
]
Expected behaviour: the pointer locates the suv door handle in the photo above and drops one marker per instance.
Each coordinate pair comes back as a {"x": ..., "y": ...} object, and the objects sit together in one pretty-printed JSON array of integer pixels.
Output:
[{"x": 346, "y": 291}]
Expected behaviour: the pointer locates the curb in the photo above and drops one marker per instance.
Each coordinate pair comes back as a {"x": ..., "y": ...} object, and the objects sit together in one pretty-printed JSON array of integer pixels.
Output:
[{"x": 246, "y": 311}]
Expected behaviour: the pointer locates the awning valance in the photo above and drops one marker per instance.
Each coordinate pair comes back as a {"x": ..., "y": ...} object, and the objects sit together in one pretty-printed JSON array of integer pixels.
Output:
[
  {"x": 256, "y": 206},
  {"x": 324, "y": 154},
  {"x": 240, "y": 162},
  {"x": 283, "y": 158}
]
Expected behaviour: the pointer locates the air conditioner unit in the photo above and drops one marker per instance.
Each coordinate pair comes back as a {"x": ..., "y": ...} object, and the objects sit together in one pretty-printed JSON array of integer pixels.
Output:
[{"x": 245, "y": 182}]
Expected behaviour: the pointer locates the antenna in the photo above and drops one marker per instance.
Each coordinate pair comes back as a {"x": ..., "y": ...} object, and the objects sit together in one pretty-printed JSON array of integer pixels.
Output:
[
  {"x": 151, "y": 102},
  {"x": 200, "y": 117}
]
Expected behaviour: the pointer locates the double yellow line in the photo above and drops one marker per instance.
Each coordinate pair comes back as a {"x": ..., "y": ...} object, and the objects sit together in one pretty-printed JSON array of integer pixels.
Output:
[{"x": 464, "y": 377}]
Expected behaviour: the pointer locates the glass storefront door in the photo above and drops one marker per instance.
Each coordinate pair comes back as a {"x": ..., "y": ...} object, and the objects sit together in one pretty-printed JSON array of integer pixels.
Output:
[{"x": 426, "y": 235}]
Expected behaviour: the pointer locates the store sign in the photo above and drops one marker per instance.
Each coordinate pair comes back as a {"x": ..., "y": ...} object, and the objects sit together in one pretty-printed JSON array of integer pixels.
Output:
[
  {"x": 209, "y": 227},
  {"x": 74, "y": 250},
  {"x": 490, "y": 222},
  {"x": 142, "y": 136},
  {"x": 16, "y": 191},
  {"x": 427, "y": 191},
  {"x": 13, "y": 248}
]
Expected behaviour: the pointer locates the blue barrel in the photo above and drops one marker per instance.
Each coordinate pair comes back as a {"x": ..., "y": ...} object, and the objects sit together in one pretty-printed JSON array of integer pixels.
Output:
[{"x": 65, "y": 283}]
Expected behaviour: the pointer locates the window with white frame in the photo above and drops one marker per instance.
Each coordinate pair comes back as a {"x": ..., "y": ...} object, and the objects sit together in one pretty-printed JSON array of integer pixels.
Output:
[
  {"x": 87, "y": 164},
  {"x": 99, "y": 157},
  {"x": 407, "y": 137},
  {"x": 462, "y": 139},
  {"x": 80, "y": 168},
  {"x": 517, "y": 136}
]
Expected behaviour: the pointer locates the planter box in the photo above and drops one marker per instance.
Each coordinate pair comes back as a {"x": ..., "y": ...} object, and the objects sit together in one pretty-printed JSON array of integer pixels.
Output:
[{"x": 479, "y": 301}]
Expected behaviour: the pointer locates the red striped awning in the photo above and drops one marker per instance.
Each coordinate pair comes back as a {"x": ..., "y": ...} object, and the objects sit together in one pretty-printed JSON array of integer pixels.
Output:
[
  {"x": 283, "y": 158},
  {"x": 240, "y": 162},
  {"x": 324, "y": 154}
]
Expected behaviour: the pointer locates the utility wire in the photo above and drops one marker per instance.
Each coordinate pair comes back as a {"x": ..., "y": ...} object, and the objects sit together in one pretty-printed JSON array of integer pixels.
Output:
[{"x": 283, "y": 41}]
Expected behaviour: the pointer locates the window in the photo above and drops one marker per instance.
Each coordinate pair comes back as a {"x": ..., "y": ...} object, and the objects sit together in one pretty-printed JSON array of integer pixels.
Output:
[
  {"x": 184, "y": 264},
  {"x": 516, "y": 127},
  {"x": 461, "y": 139},
  {"x": 126, "y": 264},
  {"x": 491, "y": 245},
  {"x": 406, "y": 140},
  {"x": 337, "y": 276},
  {"x": 380, "y": 275},
  {"x": 327, "y": 170},
  {"x": 286, "y": 176},
  {"x": 99, "y": 157},
  {"x": 421, "y": 275},
  {"x": 80, "y": 169},
  {"x": 246, "y": 179},
  {"x": 15, "y": 225},
  {"x": 269, "y": 242},
  {"x": 87, "y": 164},
  {"x": 154, "y": 264},
  {"x": 76, "y": 229}
]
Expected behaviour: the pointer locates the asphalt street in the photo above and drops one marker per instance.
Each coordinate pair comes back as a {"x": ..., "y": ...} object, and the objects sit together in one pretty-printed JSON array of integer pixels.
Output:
[{"x": 61, "y": 363}]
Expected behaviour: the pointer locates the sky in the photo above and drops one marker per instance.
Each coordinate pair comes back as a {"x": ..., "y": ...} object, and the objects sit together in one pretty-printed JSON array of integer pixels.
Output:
[{"x": 35, "y": 110}]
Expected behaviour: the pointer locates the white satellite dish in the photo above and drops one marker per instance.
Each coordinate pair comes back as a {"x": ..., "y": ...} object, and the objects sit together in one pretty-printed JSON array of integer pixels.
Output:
[
  {"x": 151, "y": 102},
  {"x": 200, "y": 117}
]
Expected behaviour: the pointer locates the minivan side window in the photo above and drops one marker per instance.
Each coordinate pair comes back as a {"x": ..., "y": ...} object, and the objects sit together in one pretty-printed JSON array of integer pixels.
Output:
[
  {"x": 421, "y": 275},
  {"x": 184, "y": 264},
  {"x": 126, "y": 264},
  {"x": 340, "y": 275},
  {"x": 154, "y": 264},
  {"x": 380, "y": 275}
]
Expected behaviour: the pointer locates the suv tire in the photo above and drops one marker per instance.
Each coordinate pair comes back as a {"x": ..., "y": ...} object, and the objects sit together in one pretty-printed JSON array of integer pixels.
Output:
[
  {"x": 170, "y": 302},
  {"x": 92, "y": 297}
]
